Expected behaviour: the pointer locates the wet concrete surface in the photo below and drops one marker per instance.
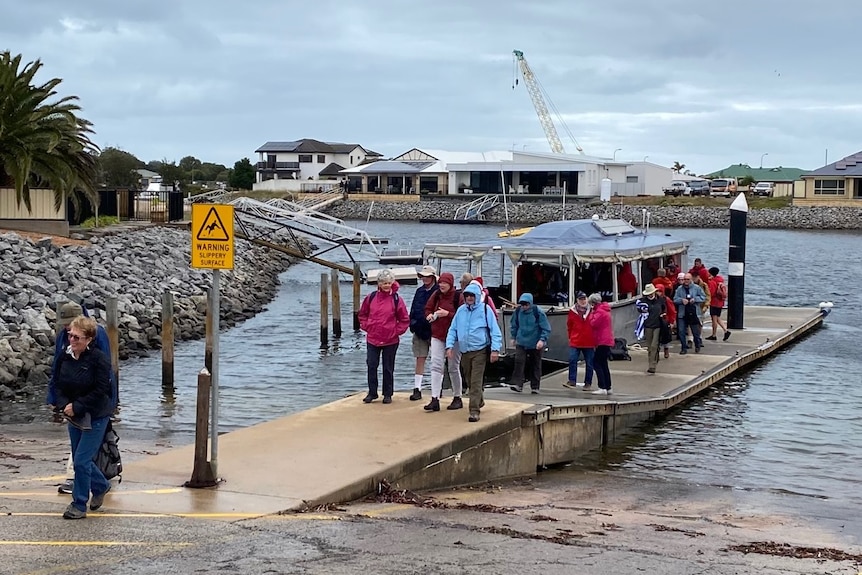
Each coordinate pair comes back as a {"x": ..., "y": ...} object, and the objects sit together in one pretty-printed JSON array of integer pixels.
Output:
[{"x": 559, "y": 522}]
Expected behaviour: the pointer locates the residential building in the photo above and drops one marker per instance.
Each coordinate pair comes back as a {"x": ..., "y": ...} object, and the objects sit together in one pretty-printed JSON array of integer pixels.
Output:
[
  {"x": 776, "y": 175},
  {"x": 522, "y": 173},
  {"x": 836, "y": 184},
  {"x": 146, "y": 177},
  {"x": 308, "y": 159}
]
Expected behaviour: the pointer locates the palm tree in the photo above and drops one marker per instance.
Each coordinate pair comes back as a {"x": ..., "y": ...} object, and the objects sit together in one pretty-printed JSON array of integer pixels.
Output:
[
  {"x": 43, "y": 143},
  {"x": 677, "y": 167}
]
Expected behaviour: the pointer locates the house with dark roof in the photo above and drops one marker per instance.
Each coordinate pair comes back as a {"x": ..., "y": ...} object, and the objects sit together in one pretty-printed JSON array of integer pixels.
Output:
[
  {"x": 836, "y": 184},
  {"x": 308, "y": 159}
]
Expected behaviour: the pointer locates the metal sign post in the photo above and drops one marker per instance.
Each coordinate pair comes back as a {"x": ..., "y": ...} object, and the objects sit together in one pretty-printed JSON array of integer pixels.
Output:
[{"x": 213, "y": 248}]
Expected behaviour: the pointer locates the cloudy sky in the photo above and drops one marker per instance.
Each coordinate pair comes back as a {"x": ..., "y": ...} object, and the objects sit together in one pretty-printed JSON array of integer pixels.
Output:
[{"x": 707, "y": 84}]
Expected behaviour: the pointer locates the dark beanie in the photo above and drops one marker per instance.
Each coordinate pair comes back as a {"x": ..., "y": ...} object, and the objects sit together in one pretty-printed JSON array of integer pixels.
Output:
[{"x": 713, "y": 271}]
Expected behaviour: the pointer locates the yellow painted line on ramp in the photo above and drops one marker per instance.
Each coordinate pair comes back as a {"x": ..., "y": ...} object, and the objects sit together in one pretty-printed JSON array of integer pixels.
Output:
[
  {"x": 29, "y": 479},
  {"x": 95, "y": 544},
  {"x": 106, "y": 515},
  {"x": 163, "y": 491}
]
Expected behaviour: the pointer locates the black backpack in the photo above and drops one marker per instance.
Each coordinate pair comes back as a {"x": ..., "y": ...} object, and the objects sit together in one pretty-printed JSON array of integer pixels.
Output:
[
  {"x": 372, "y": 295},
  {"x": 620, "y": 350},
  {"x": 107, "y": 458}
]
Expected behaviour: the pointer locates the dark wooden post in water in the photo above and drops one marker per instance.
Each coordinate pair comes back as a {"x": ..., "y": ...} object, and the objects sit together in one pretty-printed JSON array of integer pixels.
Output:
[
  {"x": 324, "y": 304},
  {"x": 736, "y": 262},
  {"x": 112, "y": 317},
  {"x": 58, "y": 327},
  {"x": 202, "y": 473},
  {"x": 336, "y": 305},
  {"x": 357, "y": 281},
  {"x": 208, "y": 345},
  {"x": 167, "y": 339}
]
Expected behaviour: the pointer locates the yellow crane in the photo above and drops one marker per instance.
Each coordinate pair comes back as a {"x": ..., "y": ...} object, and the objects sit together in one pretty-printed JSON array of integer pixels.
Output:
[{"x": 538, "y": 96}]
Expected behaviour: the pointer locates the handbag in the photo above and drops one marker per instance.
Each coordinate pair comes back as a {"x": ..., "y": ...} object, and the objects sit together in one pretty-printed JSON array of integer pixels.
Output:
[{"x": 664, "y": 334}]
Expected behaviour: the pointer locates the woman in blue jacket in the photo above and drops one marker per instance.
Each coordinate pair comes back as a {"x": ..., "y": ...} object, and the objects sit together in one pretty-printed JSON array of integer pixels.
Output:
[{"x": 476, "y": 331}]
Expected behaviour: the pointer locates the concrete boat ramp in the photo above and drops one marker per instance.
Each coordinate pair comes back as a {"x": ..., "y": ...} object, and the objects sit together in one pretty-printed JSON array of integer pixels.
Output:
[{"x": 342, "y": 451}]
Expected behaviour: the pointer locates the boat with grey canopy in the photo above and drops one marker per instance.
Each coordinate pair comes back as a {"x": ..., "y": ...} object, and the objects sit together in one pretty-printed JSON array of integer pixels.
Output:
[{"x": 555, "y": 260}]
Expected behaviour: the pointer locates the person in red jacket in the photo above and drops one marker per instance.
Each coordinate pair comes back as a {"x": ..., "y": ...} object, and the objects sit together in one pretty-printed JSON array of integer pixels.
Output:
[
  {"x": 718, "y": 295},
  {"x": 670, "y": 310},
  {"x": 581, "y": 341},
  {"x": 662, "y": 281},
  {"x": 603, "y": 332},
  {"x": 695, "y": 269},
  {"x": 439, "y": 311},
  {"x": 383, "y": 317},
  {"x": 627, "y": 282}
]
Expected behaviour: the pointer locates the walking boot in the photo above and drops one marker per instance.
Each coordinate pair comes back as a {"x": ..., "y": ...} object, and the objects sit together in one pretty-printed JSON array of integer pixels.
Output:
[
  {"x": 417, "y": 394},
  {"x": 456, "y": 403},
  {"x": 433, "y": 405}
]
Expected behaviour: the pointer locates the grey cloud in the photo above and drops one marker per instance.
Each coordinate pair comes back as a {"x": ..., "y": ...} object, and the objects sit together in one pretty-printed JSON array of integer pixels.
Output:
[{"x": 705, "y": 84}]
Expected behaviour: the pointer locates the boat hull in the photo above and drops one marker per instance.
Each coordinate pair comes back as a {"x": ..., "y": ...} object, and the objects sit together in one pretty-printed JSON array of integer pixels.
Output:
[{"x": 623, "y": 316}]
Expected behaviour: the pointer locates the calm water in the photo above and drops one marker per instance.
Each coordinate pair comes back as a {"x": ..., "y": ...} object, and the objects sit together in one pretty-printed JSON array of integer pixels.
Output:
[{"x": 791, "y": 425}]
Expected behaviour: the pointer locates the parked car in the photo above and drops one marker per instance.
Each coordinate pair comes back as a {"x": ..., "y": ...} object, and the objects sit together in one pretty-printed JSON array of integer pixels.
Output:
[
  {"x": 724, "y": 187},
  {"x": 677, "y": 188},
  {"x": 699, "y": 187},
  {"x": 763, "y": 189}
]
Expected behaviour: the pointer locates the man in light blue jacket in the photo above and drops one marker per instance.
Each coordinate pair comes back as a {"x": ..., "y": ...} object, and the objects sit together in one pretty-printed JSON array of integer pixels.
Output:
[
  {"x": 688, "y": 298},
  {"x": 530, "y": 330},
  {"x": 474, "y": 328}
]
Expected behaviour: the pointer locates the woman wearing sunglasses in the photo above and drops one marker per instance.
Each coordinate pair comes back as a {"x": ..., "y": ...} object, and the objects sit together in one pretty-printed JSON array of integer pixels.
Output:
[{"x": 83, "y": 395}]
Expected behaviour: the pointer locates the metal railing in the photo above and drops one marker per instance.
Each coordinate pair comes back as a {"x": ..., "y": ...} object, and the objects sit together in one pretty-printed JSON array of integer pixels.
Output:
[
  {"x": 476, "y": 209},
  {"x": 280, "y": 214}
]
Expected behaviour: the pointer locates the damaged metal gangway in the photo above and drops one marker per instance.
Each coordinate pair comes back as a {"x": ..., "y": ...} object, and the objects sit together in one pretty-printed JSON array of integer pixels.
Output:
[{"x": 277, "y": 223}]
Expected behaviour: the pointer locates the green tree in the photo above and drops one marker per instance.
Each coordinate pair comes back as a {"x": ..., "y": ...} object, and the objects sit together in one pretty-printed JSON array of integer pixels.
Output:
[
  {"x": 746, "y": 180},
  {"x": 117, "y": 168},
  {"x": 242, "y": 176},
  {"x": 210, "y": 171},
  {"x": 191, "y": 167},
  {"x": 43, "y": 142},
  {"x": 172, "y": 174},
  {"x": 677, "y": 167}
]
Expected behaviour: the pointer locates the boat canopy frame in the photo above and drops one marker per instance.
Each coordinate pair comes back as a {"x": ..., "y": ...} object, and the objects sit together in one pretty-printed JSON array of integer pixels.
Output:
[{"x": 567, "y": 244}]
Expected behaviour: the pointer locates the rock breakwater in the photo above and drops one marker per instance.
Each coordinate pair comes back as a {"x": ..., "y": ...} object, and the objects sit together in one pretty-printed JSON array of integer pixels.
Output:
[
  {"x": 792, "y": 217},
  {"x": 136, "y": 267}
]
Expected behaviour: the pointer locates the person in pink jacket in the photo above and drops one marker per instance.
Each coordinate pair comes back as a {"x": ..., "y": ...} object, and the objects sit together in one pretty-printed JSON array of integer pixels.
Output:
[
  {"x": 383, "y": 317},
  {"x": 603, "y": 332}
]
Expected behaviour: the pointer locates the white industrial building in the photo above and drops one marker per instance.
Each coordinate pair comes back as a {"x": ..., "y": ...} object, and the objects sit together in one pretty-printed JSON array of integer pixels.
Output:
[{"x": 522, "y": 173}]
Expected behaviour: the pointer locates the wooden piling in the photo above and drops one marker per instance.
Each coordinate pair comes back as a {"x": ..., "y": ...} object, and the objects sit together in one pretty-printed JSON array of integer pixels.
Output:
[
  {"x": 336, "y": 305},
  {"x": 167, "y": 339},
  {"x": 58, "y": 327},
  {"x": 208, "y": 345},
  {"x": 324, "y": 304},
  {"x": 357, "y": 283},
  {"x": 112, "y": 317},
  {"x": 202, "y": 473}
]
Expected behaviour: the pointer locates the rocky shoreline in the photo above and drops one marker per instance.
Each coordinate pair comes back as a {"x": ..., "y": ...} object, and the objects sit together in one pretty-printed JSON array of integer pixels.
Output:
[
  {"x": 136, "y": 266},
  {"x": 792, "y": 217}
]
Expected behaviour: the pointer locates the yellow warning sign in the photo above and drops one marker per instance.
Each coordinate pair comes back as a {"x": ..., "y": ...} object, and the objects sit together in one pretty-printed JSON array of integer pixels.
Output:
[{"x": 212, "y": 236}]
